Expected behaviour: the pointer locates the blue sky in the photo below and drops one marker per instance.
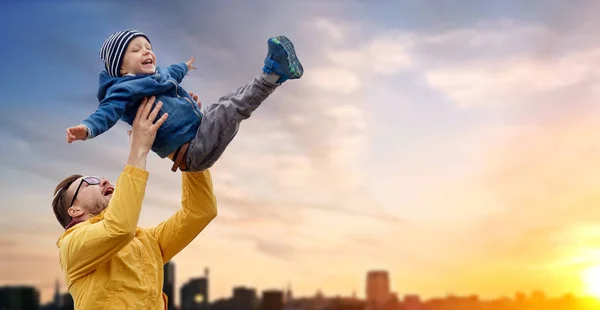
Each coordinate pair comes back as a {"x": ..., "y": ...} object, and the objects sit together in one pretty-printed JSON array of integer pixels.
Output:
[{"x": 438, "y": 139}]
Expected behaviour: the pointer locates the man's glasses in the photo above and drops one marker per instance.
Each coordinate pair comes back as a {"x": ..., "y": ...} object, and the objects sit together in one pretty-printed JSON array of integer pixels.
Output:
[{"x": 89, "y": 181}]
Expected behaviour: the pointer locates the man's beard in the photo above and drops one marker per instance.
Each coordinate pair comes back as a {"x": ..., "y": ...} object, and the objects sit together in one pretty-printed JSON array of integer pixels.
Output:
[{"x": 98, "y": 206}]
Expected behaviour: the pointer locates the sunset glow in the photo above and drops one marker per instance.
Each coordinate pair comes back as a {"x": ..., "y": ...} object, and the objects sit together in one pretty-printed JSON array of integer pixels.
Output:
[{"x": 591, "y": 278}]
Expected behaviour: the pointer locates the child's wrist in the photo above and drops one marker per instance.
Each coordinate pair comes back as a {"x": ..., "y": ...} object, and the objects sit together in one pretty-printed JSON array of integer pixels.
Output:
[{"x": 88, "y": 132}]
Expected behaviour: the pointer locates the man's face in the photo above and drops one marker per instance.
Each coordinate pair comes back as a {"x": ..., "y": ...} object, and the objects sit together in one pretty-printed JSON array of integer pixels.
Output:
[
  {"x": 138, "y": 57},
  {"x": 92, "y": 195}
]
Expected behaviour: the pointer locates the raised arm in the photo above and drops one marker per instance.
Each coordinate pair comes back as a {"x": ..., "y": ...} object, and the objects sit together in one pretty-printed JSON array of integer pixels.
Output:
[
  {"x": 179, "y": 70},
  {"x": 109, "y": 111},
  {"x": 91, "y": 245},
  {"x": 199, "y": 208}
]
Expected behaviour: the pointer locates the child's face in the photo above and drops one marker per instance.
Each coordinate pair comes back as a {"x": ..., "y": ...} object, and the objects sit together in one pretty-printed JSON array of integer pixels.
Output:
[{"x": 138, "y": 58}]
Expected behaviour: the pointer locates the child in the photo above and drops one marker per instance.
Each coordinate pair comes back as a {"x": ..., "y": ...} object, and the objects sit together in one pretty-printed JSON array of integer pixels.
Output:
[{"x": 192, "y": 139}]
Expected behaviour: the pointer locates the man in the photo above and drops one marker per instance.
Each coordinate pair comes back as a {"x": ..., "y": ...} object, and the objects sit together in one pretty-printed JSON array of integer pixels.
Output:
[{"x": 109, "y": 262}]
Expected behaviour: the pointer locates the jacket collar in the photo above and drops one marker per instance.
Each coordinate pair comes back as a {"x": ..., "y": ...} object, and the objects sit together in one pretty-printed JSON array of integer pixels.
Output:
[
  {"x": 73, "y": 223},
  {"x": 93, "y": 219}
]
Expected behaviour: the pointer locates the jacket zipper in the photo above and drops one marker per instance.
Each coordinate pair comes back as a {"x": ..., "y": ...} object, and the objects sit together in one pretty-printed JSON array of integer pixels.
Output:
[{"x": 177, "y": 93}]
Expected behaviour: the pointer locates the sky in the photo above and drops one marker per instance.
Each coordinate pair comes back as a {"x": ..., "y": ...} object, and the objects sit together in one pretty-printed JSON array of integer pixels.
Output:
[{"x": 452, "y": 143}]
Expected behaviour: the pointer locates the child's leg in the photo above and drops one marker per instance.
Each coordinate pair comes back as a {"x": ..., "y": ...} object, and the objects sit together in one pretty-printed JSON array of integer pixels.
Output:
[{"x": 221, "y": 120}]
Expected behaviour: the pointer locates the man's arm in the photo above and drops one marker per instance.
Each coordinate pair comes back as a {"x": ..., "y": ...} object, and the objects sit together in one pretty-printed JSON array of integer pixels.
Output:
[
  {"x": 199, "y": 208},
  {"x": 109, "y": 111},
  {"x": 91, "y": 245}
]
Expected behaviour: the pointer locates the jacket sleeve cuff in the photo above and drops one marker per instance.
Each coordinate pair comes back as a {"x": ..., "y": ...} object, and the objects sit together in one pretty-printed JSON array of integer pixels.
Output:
[
  {"x": 89, "y": 132},
  {"x": 89, "y": 128},
  {"x": 136, "y": 172},
  {"x": 184, "y": 67}
]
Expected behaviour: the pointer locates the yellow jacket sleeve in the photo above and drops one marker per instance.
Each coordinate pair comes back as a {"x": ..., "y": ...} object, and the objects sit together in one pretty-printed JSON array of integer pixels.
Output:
[
  {"x": 199, "y": 208},
  {"x": 89, "y": 245}
]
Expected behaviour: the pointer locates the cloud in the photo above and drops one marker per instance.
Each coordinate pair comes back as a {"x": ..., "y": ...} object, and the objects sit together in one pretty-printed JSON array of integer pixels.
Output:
[
  {"x": 24, "y": 258},
  {"x": 276, "y": 249},
  {"x": 491, "y": 64},
  {"x": 506, "y": 63},
  {"x": 271, "y": 224},
  {"x": 545, "y": 177},
  {"x": 331, "y": 30},
  {"x": 271, "y": 246},
  {"x": 6, "y": 243},
  {"x": 43, "y": 136},
  {"x": 385, "y": 54},
  {"x": 19, "y": 260},
  {"x": 335, "y": 80},
  {"x": 516, "y": 80}
]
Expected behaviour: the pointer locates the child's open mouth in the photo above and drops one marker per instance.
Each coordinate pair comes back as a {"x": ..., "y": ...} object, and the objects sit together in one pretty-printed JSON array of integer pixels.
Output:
[{"x": 148, "y": 63}]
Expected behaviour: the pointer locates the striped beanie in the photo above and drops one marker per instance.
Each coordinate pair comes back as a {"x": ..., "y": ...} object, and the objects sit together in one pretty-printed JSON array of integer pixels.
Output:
[{"x": 113, "y": 49}]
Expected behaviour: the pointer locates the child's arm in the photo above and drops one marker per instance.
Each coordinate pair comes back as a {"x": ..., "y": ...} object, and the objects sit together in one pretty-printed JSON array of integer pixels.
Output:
[
  {"x": 108, "y": 113},
  {"x": 179, "y": 70}
]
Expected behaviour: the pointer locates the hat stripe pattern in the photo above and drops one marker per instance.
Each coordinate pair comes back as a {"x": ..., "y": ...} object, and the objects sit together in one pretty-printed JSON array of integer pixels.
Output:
[{"x": 113, "y": 49}]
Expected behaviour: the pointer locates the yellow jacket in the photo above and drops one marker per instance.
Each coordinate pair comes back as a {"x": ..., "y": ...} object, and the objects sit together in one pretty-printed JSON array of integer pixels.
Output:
[{"x": 110, "y": 263}]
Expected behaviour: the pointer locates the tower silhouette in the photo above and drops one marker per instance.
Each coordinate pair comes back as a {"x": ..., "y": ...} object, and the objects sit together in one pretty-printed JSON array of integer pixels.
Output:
[
  {"x": 57, "y": 297},
  {"x": 378, "y": 288}
]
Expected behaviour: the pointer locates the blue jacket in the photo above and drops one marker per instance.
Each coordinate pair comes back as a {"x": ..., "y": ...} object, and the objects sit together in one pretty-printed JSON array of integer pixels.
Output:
[{"x": 120, "y": 98}]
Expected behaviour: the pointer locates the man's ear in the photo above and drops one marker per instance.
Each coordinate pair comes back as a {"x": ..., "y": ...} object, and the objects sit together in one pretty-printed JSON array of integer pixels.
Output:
[
  {"x": 122, "y": 71},
  {"x": 75, "y": 212}
]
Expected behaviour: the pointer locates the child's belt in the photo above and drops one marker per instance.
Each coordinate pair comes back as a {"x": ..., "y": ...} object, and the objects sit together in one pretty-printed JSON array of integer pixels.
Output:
[{"x": 179, "y": 157}]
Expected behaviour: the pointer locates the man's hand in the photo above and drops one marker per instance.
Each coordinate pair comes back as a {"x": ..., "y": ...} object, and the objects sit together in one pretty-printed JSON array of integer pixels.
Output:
[
  {"x": 78, "y": 132},
  {"x": 189, "y": 64},
  {"x": 144, "y": 131}
]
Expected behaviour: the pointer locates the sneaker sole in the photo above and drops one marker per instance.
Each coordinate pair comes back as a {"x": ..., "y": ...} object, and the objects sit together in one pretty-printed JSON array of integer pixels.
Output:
[{"x": 295, "y": 68}]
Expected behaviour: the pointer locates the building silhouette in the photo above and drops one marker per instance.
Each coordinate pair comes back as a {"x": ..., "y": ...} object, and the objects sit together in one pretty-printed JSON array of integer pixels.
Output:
[
  {"x": 346, "y": 304},
  {"x": 194, "y": 293},
  {"x": 67, "y": 302},
  {"x": 378, "y": 289},
  {"x": 19, "y": 297},
  {"x": 272, "y": 300},
  {"x": 288, "y": 294},
  {"x": 243, "y": 298},
  {"x": 169, "y": 284},
  {"x": 58, "y": 300},
  {"x": 412, "y": 302}
]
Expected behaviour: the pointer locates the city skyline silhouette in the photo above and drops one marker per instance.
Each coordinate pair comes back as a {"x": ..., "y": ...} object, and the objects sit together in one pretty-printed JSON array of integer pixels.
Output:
[{"x": 379, "y": 295}]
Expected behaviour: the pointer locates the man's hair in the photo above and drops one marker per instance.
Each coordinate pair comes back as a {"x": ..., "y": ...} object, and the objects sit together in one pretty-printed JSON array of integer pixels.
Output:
[{"x": 60, "y": 203}]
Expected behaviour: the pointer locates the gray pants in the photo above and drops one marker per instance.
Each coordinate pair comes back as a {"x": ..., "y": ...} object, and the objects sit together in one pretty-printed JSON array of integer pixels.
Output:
[{"x": 221, "y": 122}]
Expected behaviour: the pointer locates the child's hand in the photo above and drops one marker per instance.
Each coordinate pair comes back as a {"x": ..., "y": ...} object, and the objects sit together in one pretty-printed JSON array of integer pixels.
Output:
[
  {"x": 78, "y": 132},
  {"x": 189, "y": 64},
  {"x": 195, "y": 97}
]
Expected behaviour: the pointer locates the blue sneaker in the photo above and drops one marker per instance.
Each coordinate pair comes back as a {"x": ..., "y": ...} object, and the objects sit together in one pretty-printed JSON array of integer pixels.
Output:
[{"x": 281, "y": 60}]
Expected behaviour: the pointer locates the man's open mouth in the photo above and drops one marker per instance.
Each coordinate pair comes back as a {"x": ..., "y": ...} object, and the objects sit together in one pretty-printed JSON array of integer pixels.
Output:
[
  {"x": 147, "y": 62},
  {"x": 109, "y": 191}
]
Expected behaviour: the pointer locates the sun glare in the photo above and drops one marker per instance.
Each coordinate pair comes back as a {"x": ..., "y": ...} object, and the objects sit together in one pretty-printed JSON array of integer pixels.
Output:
[{"x": 591, "y": 279}]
